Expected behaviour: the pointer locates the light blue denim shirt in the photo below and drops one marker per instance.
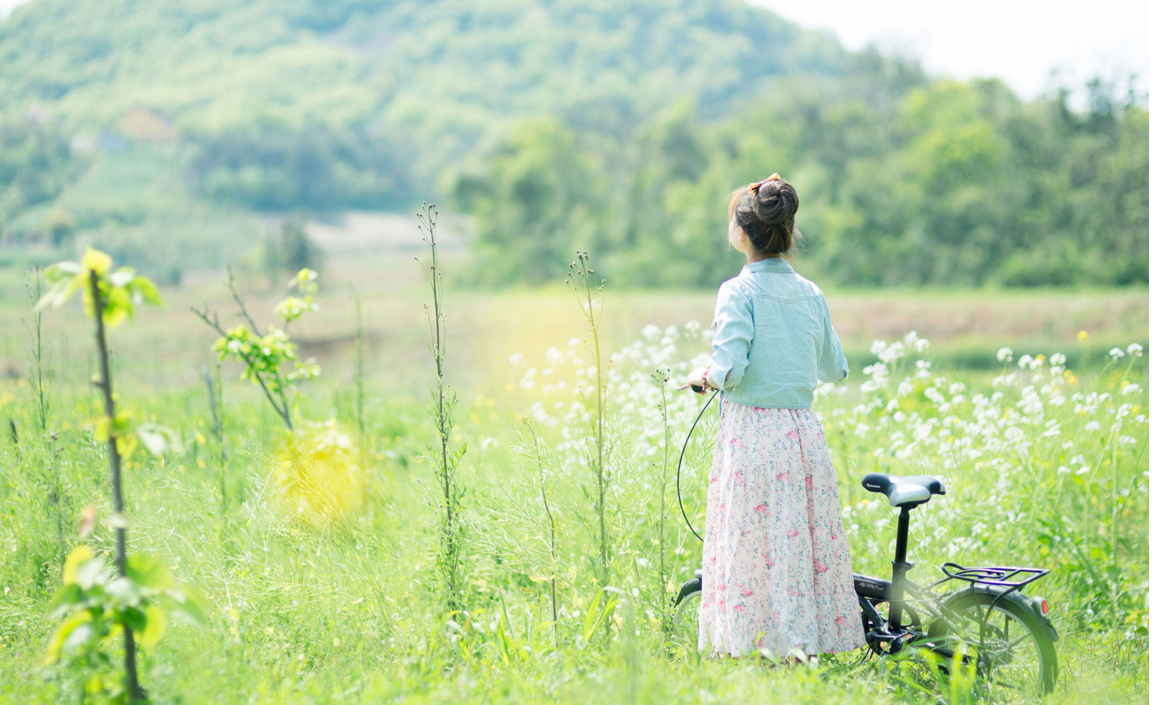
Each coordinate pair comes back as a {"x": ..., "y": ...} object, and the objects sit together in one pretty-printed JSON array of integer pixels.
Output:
[{"x": 773, "y": 339}]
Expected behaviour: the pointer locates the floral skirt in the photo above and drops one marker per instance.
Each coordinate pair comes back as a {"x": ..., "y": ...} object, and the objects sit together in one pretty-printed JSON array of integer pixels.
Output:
[{"x": 777, "y": 570}]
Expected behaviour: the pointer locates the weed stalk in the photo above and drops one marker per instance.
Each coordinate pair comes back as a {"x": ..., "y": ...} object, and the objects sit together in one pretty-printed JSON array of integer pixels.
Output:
[
  {"x": 588, "y": 294},
  {"x": 38, "y": 383},
  {"x": 442, "y": 405}
]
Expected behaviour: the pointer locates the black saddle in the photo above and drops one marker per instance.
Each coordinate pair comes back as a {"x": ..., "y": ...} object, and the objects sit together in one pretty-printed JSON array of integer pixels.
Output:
[{"x": 904, "y": 491}]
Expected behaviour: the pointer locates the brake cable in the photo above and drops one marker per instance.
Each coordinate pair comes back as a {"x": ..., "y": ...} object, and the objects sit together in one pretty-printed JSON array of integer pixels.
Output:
[{"x": 683, "y": 450}]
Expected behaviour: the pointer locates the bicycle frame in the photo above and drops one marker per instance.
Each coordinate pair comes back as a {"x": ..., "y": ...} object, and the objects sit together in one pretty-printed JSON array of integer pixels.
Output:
[{"x": 903, "y": 594}]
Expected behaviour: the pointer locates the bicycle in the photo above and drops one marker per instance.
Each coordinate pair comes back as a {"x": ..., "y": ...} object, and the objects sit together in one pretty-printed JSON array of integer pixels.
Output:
[{"x": 963, "y": 626}]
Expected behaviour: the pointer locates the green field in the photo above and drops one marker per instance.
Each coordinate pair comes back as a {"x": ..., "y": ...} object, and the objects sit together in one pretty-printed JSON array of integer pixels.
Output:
[{"x": 321, "y": 579}]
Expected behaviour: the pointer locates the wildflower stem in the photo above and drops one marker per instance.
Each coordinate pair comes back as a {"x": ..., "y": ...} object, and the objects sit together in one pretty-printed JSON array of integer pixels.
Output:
[{"x": 443, "y": 402}]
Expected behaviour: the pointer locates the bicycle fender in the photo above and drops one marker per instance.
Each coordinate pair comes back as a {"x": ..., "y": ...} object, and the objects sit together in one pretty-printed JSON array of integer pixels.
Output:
[
  {"x": 688, "y": 588},
  {"x": 1015, "y": 596}
]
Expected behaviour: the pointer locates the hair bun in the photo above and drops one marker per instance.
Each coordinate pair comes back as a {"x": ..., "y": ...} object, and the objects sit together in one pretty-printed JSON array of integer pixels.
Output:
[
  {"x": 776, "y": 202},
  {"x": 766, "y": 212}
]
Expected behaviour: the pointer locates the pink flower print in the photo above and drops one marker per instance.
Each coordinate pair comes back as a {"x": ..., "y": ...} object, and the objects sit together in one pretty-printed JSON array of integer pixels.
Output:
[
  {"x": 793, "y": 533},
  {"x": 833, "y": 536},
  {"x": 820, "y": 567},
  {"x": 840, "y": 621},
  {"x": 792, "y": 435},
  {"x": 762, "y": 509},
  {"x": 739, "y": 609},
  {"x": 747, "y": 592},
  {"x": 722, "y": 604},
  {"x": 808, "y": 483},
  {"x": 792, "y": 592},
  {"x": 783, "y": 476},
  {"x": 768, "y": 560},
  {"x": 721, "y": 586}
]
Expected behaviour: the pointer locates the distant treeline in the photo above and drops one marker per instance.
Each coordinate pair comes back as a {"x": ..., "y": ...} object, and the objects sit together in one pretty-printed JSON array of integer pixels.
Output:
[
  {"x": 617, "y": 127},
  {"x": 951, "y": 184}
]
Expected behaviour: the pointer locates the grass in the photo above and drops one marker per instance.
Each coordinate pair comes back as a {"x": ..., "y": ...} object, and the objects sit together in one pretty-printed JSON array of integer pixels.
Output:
[
  {"x": 344, "y": 610},
  {"x": 335, "y": 601}
]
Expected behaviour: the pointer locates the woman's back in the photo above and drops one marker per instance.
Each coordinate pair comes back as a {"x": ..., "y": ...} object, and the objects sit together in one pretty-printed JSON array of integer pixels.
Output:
[{"x": 775, "y": 337}]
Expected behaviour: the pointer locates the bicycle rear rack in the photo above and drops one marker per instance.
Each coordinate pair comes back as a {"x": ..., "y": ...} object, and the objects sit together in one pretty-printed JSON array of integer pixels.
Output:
[{"x": 1011, "y": 577}]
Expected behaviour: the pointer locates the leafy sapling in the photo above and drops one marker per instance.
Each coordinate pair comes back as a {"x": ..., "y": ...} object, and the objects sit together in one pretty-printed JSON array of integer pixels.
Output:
[
  {"x": 99, "y": 602},
  {"x": 109, "y": 297},
  {"x": 269, "y": 360}
]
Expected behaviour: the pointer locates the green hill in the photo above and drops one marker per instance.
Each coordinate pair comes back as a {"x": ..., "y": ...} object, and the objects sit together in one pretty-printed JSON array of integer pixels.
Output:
[{"x": 444, "y": 73}]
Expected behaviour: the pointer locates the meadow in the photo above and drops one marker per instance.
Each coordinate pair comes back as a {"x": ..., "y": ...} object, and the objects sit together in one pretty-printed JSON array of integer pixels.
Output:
[{"x": 323, "y": 575}]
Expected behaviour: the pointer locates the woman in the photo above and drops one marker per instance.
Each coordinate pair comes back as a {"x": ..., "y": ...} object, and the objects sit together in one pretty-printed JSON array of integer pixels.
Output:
[{"x": 777, "y": 571}]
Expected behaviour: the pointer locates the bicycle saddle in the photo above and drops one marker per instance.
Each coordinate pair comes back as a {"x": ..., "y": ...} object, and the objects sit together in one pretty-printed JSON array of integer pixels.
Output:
[{"x": 904, "y": 491}]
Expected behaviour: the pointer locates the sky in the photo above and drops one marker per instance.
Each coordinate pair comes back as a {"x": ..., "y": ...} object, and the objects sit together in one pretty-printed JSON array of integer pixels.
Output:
[{"x": 1019, "y": 41}]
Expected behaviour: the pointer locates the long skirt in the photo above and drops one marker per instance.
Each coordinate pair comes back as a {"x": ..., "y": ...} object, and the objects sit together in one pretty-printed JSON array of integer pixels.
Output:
[{"x": 777, "y": 569}]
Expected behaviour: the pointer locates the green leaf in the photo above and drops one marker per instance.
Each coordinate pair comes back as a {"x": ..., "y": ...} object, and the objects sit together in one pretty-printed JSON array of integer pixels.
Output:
[
  {"x": 63, "y": 636},
  {"x": 90, "y": 573},
  {"x": 134, "y": 618},
  {"x": 79, "y": 555},
  {"x": 63, "y": 601},
  {"x": 158, "y": 439},
  {"x": 146, "y": 290},
  {"x": 155, "y": 627},
  {"x": 118, "y": 307},
  {"x": 124, "y": 591},
  {"x": 122, "y": 277},
  {"x": 148, "y": 572},
  {"x": 62, "y": 270}
]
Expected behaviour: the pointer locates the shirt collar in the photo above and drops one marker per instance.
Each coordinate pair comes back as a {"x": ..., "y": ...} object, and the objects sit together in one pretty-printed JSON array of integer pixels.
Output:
[{"x": 771, "y": 264}]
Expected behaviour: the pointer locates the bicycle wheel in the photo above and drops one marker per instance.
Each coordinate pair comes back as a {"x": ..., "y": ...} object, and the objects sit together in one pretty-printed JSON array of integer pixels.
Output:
[
  {"x": 686, "y": 614},
  {"x": 1018, "y": 647}
]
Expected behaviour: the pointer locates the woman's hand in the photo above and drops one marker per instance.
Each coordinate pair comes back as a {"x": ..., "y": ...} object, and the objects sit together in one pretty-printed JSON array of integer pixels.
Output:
[{"x": 698, "y": 380}]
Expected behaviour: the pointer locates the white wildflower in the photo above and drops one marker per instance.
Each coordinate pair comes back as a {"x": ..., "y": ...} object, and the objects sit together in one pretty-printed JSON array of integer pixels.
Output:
[
  {"x": 1136, "y": 350},
  {"x": 1024, "y": 361},
  {"x": 1092, "y": 426},
  {"x": 1057, "y": 359},
  {"x": 1130, "y": 389},
  {"x": 1115, "y": 353},
  {"x": 516, "y": 360},
  {"x": 1127, "y": 441},
  {"x": 1004, "y": 354}
]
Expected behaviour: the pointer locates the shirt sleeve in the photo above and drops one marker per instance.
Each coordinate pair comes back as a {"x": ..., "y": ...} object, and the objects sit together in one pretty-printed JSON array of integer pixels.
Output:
[
  {"x": 833, "y": 366},
  {"x": 732, "y": 339}
]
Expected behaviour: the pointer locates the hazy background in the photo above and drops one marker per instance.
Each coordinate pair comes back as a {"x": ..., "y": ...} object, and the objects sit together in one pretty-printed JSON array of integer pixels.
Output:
[
  {"x": 1034, "y": 48},
  {"x": 978, "y": 172}
]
